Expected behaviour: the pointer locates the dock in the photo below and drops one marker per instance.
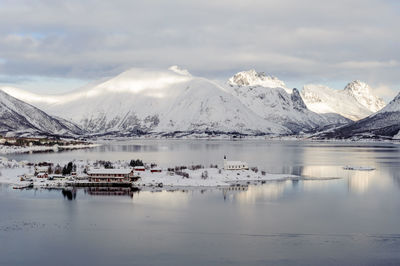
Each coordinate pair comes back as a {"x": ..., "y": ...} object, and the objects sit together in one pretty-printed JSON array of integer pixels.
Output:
[{"x": 99, "y": 184}]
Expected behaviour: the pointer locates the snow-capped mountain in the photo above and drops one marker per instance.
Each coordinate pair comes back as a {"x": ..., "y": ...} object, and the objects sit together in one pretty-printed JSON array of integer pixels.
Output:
[
  {"x": 385, "y": 123},
  {"x": 168, "y": 102},
  {"x": 364, "y": 95},
  {"x": 253, "y": 78},
  {"x": 21, "y": 118},
  {"x": 355, "y": 101},
  {"x": 145, "y": 101},
  {"x": 275, "y": 104}
]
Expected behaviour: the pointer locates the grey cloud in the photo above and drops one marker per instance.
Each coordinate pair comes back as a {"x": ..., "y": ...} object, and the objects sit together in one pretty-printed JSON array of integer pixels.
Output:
[{"x": 305, "y": 40}]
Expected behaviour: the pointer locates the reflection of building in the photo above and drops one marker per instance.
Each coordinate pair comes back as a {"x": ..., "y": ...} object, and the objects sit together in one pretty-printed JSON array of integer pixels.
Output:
[
  {"x": 111, "y": 191},
  {"x": 269, "y": 191},
  {"x": 235, "y": 165},
  {"x": 231, "y": 191},
  {"x": 110, "y": 175}
]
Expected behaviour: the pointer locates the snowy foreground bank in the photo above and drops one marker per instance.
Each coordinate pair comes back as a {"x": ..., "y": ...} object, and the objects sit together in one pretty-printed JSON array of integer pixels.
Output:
[
  {"x": 215, "y": 178},
  {"x": 18, "y": 149},
  {"x": 11, "y": 172},
  {"x": 208, "y": 177}
]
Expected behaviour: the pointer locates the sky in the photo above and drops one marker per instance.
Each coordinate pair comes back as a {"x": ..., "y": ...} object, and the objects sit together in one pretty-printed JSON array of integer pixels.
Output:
[{"x": 56, "y": 46}]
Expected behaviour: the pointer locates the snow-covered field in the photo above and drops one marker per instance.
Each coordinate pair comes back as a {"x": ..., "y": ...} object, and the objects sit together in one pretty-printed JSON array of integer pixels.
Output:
[
  {"x": 148, "y": 179},
  {"x": 11, "y": 171},
  {"x": 215, "y": 177}
]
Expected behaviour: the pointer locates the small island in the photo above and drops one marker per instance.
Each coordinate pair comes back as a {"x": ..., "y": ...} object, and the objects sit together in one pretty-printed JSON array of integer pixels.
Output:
[{"x": 133, "y": 173}]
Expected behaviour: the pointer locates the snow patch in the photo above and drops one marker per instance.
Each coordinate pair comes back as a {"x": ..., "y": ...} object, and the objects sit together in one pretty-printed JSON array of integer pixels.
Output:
[
  {"x": 355, "y": 102},
  {"x": 359, "y": 168},
  {"x": 254, "y": 78}
]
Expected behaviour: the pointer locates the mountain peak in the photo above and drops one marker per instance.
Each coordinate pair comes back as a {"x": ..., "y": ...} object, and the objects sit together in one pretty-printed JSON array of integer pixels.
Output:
[
  {"x": 358, "y": 86},
  {"x": 362, "y": 92},
  {"x": 253, "y": 78}
]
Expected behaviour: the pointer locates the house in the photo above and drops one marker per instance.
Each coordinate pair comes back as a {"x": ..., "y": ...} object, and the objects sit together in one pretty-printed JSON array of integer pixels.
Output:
[
  {"x": 139, "y": 168},
  {"x": 110, "y": 175},
  {"x": 235, "y": 165},
  {"x": 42, "y": 175},
  {"x": 41, "y": 169},
  {"x": 57, "y": 176},
  {"x": 81, "y": 176},
  {"x": 155, "y": 170}
]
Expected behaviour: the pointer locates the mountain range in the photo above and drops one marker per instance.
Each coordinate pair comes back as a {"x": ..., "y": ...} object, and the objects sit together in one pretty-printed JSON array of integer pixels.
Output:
[
  {"x": 18, "y": 117},
  {"x": 382, "y": 124},
  {"x": 174, "y": 103},
  {"x": 356, "y": 101}
]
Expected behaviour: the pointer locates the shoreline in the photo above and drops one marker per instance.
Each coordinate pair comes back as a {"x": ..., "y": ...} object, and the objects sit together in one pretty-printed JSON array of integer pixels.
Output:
[
  {"x": 4, "y": 150},
  {"x": 249, "y": 138},
  {"x": 7, "y": 150}
]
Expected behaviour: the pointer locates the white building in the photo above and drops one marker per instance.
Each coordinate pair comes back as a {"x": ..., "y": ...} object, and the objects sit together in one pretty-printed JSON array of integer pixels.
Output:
[
  {"x": 110, "y": 175},
  {"x": 235, "y": 165},
  {"x": 41, "y": 169}
]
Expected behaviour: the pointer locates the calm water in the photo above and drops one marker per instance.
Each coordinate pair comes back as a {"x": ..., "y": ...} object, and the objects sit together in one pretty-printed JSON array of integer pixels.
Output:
[{"x": 354, "y": 220}]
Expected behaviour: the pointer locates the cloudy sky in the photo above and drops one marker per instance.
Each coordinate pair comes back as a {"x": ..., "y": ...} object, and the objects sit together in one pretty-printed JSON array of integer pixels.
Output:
[{"x": 54, "y": 46}]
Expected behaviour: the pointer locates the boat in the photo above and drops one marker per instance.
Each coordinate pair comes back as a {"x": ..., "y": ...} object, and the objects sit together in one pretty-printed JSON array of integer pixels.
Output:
[
  {"x": 358, "y": 168},
  {"x": 30, "y": 185}
]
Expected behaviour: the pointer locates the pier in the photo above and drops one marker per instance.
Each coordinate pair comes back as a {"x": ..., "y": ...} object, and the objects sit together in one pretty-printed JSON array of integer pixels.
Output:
[{"x": 99, "y": 184}]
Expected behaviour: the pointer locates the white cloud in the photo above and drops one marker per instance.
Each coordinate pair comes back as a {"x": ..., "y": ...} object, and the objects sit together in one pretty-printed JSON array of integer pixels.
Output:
[{"x": 385, "y": 92}]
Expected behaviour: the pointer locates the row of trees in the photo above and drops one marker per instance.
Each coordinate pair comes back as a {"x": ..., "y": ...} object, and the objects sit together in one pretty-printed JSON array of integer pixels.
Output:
[
  {"x": 66, "y": 170},
  {"x": 137, "y": 162}
]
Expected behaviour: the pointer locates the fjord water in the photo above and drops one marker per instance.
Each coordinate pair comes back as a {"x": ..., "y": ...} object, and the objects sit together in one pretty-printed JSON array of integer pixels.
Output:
[{"x": 335, "y": 217}]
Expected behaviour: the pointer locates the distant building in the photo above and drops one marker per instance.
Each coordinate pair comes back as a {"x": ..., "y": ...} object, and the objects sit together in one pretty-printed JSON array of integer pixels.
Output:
[
  {"x": 42, "y": 175},
  {"x": 41, "y": 169},
  {"x": 155, "y": 170},
  {"x": 139, "y": 168},
  {"x": 110, "y": 175},
  {"x": 235, "y": 165}
]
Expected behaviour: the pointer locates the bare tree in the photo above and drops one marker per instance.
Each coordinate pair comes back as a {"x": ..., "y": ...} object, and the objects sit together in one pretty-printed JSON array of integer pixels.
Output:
[{"x": 204, "y": 175}]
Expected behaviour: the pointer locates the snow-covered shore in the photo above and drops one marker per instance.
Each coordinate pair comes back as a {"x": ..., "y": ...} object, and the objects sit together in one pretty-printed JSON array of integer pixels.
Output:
[
  {"x": 18, "y": 149},
  {"x": 214, "y": 178},
  {"x": 11, "y": 171},
  {"x": 186, "y": 177},
  {"x": 148, "y": 179}
]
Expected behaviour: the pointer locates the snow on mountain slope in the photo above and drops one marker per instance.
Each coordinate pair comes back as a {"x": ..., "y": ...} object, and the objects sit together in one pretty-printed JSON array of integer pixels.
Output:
[
  {"x": 142, "y": 101},
  {"x": 205, "y": 106},
  {"x": 277, "y": 106},
  {"x": 385, "y": 123},
  {"x": 397, "y": 137},
  {"x": 254, "y": 78},
  {"x": 19, "y": 117},
  {"x": 355, "y": 102},
  {"x": 363, "y": 94},
  {"x": 393, "y": 106}
]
